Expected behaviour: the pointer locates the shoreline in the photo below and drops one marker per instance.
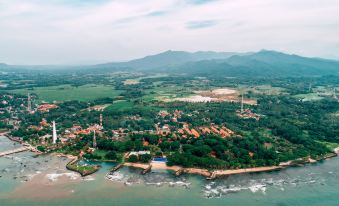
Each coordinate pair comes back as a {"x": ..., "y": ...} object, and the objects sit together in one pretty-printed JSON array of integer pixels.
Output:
[
  {"x": 199, "y": 171},
  {"x": 209, "y": 174},
  {"x": 213, "y": 174}
]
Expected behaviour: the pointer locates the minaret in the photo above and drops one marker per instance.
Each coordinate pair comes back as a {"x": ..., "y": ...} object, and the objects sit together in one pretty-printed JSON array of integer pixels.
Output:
[
  {"x": 94, "y": 141},
  {"x": 334, "y": 93},
  {"x": 242, "y": 103},
  {"x": 101, "y": 120},
  {"x": 29, "y": 104},
  {"x": 54, "y": 133}
]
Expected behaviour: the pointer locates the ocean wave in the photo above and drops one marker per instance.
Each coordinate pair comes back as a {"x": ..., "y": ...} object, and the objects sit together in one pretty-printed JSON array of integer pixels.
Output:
[
  {"x": 150, "y": 179},
  {"x": 219, "y": 188},
  {"x": 116, "y": 176},
  {"x": 55, "y": 176},
  {"x": 88, "y": 178}
]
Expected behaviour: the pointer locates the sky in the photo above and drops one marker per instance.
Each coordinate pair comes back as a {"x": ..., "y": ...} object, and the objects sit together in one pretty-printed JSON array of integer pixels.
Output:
[{"x": 99, "y": 31}]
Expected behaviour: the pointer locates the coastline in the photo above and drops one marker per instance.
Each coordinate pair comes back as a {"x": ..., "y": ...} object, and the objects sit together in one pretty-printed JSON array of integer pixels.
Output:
[
  {"x": 209, "y": 174},
  {"x": 199, "y": 171},
  {"x": 212, "y": 174}
]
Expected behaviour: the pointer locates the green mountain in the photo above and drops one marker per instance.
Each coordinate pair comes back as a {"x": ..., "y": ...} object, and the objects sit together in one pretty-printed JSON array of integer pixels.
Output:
[
  {"x": 263, "y": 63},
  {"x": 207, "y": 63},
  {"x": 170, "y": 59}
]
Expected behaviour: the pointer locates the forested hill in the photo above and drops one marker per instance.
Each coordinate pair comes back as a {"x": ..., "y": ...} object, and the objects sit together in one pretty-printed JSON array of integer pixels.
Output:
[
  {"x": 170, "y": 59},
  {"x": 221, "y": 64},
  {"x": 263, "y": 63}
]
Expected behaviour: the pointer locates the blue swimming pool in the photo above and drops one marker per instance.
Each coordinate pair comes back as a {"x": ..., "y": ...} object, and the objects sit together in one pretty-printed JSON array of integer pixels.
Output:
[{"x": 160, "y": 159}]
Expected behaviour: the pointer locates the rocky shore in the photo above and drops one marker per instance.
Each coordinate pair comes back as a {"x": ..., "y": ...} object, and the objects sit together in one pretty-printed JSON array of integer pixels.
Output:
[{"x": 212, "y": 174}]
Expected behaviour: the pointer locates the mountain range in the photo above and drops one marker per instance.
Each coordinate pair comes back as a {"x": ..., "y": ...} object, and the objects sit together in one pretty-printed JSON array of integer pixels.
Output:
[
  {"x": 206, "y": 63},
  {"x": 262, "y": 63}
]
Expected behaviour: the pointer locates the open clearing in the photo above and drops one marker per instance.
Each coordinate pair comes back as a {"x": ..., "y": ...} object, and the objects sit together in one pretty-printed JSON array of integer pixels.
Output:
[
  {"x": 217, "y": 95},
  {"x": 67, "y": 92},
  {"x": 120, "y": 105}
]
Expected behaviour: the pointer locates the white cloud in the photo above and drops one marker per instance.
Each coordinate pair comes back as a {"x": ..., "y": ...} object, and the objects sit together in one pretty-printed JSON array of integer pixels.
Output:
[{"x": 59, "y": 32}]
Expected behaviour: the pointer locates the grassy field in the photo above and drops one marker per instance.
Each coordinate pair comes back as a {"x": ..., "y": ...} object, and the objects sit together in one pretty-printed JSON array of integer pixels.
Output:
[
  {"x": 101, "y": 153},
  {"x": 137, "y": 80},
  {"x": 68, "y": 92},
  {"x": 166, "y": 93},
  {"x": 309, "y": 97},
  {"x": 83, "y": 169},
  {"x": 123, "y": 105}
]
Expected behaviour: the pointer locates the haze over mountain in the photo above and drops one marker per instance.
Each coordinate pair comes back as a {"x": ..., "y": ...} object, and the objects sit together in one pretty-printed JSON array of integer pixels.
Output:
[
  {"x": 262, "y": 63},
  {"x": 172, "y": 58}
]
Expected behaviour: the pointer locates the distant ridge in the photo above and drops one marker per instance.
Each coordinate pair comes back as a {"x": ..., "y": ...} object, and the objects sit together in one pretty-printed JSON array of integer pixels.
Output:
[
  {"x": 171, "y": 58},
  {"x": 263, "y": 63}
]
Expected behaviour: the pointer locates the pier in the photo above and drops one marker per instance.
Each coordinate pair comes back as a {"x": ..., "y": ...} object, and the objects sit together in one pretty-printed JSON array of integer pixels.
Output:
[
  {"x": 13, "y": 151},
  {"x": 25, "y": 146}
]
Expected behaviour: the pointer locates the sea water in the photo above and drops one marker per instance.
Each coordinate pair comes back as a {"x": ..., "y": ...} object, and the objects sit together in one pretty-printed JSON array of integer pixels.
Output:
[{"x": 311, "y": 185}]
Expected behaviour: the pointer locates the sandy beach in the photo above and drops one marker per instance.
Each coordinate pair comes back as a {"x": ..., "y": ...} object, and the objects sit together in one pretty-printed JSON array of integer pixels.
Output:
[{"x": 336, "y": 150}]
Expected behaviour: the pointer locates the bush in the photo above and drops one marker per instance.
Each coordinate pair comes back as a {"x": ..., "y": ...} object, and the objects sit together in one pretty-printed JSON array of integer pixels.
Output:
[
  {"x": 133, "y": 158},
  {"x": 41, "y": 148},
  {"x": 145, "y": 158},
  {"x": 111, "y": 155}
]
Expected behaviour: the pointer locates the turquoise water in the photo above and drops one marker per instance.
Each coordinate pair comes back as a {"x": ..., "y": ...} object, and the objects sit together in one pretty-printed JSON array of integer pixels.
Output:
[{"x": 312, "y": 185}]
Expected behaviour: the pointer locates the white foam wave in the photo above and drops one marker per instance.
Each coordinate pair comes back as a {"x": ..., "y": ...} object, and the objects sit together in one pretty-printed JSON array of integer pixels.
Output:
[{"x": 54, "y": 176}]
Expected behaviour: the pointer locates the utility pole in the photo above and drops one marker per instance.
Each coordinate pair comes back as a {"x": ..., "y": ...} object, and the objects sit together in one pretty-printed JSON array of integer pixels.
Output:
[
  {"x": 310, "y": 88},
  {"x": 29, "y": 104},
  {"x": 334, "y": 93},
  {"x": 101, "y": 121}
]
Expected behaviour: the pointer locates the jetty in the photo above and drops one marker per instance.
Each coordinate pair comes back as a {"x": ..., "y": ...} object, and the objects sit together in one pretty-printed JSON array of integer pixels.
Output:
[
  {"x": 25, "y": 146},
  {"x": 117, "y": 167},
  {"x": 147, "y": 170},
  {"x": 13, "y": 151}
]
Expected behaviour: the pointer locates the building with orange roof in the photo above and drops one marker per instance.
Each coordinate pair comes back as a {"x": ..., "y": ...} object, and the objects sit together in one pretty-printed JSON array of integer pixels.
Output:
[
  {"x": 44, "y": 123},
  {"x": 215, "y": 130},
  {"x": 195, "y": 133},
  {"x": 205, "y": 130},
  {"x": 46, "y": 107},
  {"x": 145, "y": 143},
  {"x": 223, "y": 133},
  {"x": 188, "y": 131}
]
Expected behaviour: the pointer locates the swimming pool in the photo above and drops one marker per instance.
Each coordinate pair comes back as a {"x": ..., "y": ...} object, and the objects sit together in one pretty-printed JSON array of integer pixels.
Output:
[{"x": 159, "y": 159}]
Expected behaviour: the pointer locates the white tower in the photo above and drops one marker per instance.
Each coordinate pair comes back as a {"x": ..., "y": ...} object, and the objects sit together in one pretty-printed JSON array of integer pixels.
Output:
[
  {"x": 54, "y": 133},
  {"x": 94, "y": 141},
  {"x": 242, "y": 103}
]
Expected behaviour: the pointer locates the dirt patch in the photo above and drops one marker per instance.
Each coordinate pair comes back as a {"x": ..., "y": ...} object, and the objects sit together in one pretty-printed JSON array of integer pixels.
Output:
[{"x": 217, "y": 95}]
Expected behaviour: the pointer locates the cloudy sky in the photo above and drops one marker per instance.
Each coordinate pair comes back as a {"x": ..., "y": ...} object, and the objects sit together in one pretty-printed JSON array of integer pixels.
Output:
[{"x": 89, "y": 31}]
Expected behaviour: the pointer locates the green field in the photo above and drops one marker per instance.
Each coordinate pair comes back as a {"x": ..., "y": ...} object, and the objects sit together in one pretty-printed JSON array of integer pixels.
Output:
[
  {"x": 68, "y": 92},
  {"x": 123, "y": 105},
  {"x": 166, "y": 93}
]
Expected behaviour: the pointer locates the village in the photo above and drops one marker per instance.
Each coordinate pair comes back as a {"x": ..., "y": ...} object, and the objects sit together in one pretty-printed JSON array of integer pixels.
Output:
[
  {"x": 170, "y": 135},
  {"x": 49, "y": 137}
]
